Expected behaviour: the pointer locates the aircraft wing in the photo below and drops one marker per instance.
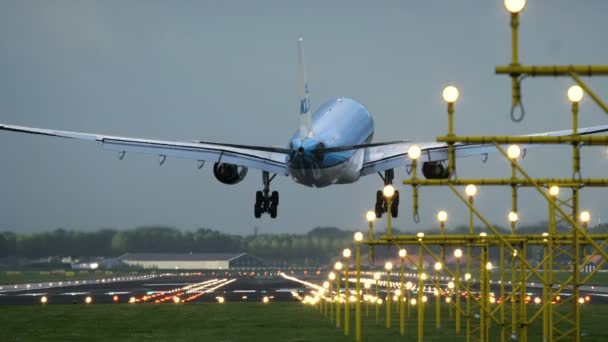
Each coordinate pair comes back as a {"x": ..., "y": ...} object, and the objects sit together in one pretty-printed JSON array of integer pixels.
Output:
[
  {"x": 389, "y": 156},
  {"x": 263, "y": 158}
]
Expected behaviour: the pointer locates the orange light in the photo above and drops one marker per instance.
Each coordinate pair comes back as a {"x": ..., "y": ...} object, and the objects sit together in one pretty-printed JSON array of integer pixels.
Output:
[
  {"x": 587, "y": 298},
  {"x": 115, "y": 298}
]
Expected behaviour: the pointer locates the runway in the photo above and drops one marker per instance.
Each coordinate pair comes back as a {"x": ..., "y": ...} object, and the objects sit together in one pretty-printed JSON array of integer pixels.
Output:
[
  {"x": 188, "y": 287},
  {"x": 195, "y": 287}
]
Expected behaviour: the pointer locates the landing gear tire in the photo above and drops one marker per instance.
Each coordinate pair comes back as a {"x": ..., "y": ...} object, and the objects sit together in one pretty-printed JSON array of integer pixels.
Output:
[
  {"x": 274, "y": 203},
  {"x": 379, "y": 204},
  {"x": 395, "y": 205},
  {"x": 257, "y": 207}
]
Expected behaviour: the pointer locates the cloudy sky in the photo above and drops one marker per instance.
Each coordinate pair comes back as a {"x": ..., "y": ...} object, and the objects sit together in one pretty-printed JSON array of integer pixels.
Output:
[{"x": 226, "y": 71}]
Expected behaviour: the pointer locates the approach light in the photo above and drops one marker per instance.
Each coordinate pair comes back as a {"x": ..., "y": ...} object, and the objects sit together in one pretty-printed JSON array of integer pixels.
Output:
[
  {"x": 132, "y": 300},
  {"x": 442, "y": 216},
  {"x": 585, "y": 217},
  {"x": 377, "y": 276},
  {"x": 115, "y": 298},
  {"x": 414, "y": 152},
  {"x": 43, "y": 300},
  {"x": 388, "y": 191},
  {"x": 388, "y": 266},
  {"x": 424, "y": 299},
  {"x": 338, "y": 266},
  {"x": 346, "y": 253},
  {"x": 581, "y": 300},
  {"x": 575, "y": 94},
  {"x": 358, "y": 236},
  {"x": 176, "y": 299},
  {"x": 515, "y": 6},
  {"x": 438, "y": 266},
  {"x": 367, "y": 284},
  {"x": 221, "y": 300},
  {"x": 513, "y": 216},
  {"x": 423, "y": 276},
  {"x": 88, "y": 300},
  {"x": 409, "y": 285},
  {"x": 467, "y": 276},
  {"x": 450, "y": 94},
  {"x": 489, "y": 266},
  {"x": 470, "y": 190},
  {"x": 332, "y": 276},
  {"x": 413, "y": 301},
  {"x": 537, "y": 300},
  {"x": 265, "y": 300},
  {"x": 513, "y": 151},
  {"x": 448, "y": 299},
  {"x": 370, "y": 216},
  {"x": 451, "y": 285},
  {"x": 554, "y": 190},
  {"x": 402, "y": 253},
  {"x": 458, "y": 253}
]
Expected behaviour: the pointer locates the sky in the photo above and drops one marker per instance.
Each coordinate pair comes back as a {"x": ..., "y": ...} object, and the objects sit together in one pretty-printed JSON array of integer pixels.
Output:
[{"x": 226, "y": 71}]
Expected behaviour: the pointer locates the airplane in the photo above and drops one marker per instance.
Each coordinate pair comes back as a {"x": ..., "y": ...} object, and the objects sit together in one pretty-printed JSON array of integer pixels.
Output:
[{"x": 333, "y": 145}]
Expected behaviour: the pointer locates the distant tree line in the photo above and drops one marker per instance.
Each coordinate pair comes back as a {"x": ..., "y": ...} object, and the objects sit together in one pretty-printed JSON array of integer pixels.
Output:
[{"x": 319, "y": 246}]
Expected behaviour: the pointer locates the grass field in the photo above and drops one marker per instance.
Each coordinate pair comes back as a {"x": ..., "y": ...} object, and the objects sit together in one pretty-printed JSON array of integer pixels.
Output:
[{"x": 292, "y": 322}]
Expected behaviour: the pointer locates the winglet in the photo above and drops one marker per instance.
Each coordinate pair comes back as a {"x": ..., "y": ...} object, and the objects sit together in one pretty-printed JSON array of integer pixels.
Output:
[{"x": 305, "y": 116}]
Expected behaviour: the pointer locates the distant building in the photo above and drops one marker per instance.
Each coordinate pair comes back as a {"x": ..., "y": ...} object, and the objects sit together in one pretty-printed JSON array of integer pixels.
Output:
[
  {"x": 191, "y": 261},
  {"x": 591, "y": 263}
]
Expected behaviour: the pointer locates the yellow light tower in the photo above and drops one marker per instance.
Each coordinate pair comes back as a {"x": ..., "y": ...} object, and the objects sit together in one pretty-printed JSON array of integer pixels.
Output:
[
  {"x": 368, "y": 286},
  {"x": 358, "y": 238},
  {"x": 442, "y": 217},
  {"x": 438, "y": 267},
  {"x": 338, "y": 268},
  {"x": 332, "y": 277},
  {"x": 408, "y": 287},
  {"x": 515, "y": 7},
  {"x": 450, "y": 95},
  {"x": 457, "y": 255},
  {"x": 370, "y": 216},
  {"x": 377, "y": 280},
  {"x": 346, "y": 254},
  {"x": 513, "y": 218},
  {"x": 585, "y": 217},
  {"x": 388, "y": 267},
  {"x": 471, "y": 191},
  {"x": 421, "y": 300},
  {"x": 448, "y": 298},
  {"x": 402, "y": 255},
  {"x": 413, "y": 153},
  {"x": 324, "y": 298},
  {"x": 389, "y": 192}
]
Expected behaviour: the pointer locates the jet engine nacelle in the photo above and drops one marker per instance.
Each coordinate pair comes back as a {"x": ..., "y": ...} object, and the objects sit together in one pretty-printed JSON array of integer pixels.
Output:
[
  {"x": 229, "y": 173},
  {"x": 435, "y": 170}
]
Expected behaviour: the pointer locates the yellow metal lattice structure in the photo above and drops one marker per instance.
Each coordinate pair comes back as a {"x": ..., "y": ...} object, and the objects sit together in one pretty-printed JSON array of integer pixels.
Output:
[{"x": 510, "y": 311}]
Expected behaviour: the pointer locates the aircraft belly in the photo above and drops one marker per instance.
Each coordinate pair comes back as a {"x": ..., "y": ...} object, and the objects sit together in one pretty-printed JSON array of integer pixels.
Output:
[{"x": 343, "y": 173}]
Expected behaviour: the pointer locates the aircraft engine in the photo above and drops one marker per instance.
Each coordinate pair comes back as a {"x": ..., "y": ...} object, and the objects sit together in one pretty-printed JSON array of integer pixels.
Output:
[
  {"x": 229, "y": 173},
  {"x": 435, "y": 170}
]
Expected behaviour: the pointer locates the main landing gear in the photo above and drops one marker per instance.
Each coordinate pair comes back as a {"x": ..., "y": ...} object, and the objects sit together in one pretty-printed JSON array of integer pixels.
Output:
[
  {"x": 266, "y": 202},
  {"x": 381, "y": 202}
]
